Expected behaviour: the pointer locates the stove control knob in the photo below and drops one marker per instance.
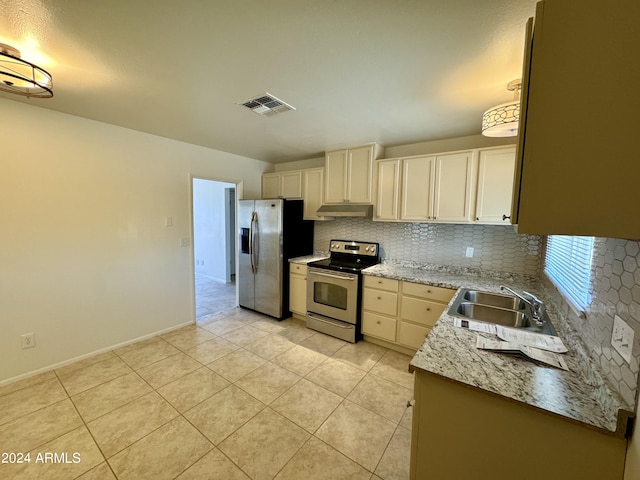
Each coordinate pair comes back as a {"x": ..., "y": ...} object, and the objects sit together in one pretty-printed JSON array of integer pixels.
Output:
[{"x": 373, "y": 248}]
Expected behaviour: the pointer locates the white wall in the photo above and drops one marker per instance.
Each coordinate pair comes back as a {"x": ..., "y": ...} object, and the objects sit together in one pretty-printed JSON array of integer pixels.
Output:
[
  {"x": 209, "y": 228},
  {"x": 85, "y": 259}
]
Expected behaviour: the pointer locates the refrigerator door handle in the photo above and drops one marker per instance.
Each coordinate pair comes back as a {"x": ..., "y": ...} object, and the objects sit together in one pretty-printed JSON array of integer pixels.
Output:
[{"x": 252, "y": 249}]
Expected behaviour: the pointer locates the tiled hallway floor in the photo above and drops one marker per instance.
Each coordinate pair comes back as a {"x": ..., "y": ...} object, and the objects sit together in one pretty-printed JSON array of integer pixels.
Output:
[
  {"x": 213, "y": 296},
  {"x": 240, "y": 396}
]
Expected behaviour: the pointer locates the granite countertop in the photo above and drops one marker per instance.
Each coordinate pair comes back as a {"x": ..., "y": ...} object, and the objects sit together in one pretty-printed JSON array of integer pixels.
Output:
[
  {"x": 308, "y": 258},
  {"x": 451, "y": 352}
]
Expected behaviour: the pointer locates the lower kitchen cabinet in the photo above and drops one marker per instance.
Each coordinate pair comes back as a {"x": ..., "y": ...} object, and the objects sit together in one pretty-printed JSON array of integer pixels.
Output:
[
  {"x": 379, "y": 326},
  {"x": 298, "y": 289},
  {"x": 401, "y": 313},
  {"x": 459, "y": 432}
]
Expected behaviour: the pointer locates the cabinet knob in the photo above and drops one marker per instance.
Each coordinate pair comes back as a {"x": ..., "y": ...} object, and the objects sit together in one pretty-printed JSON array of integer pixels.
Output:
[
  {"x": 380, "y": 282},
  {"x": 379, "y": 298},
  {"x": 378, "y": 322},
  {"x": 478, "y": 219},
  {"x": 428, "y": 309},
  {"x": 504, "y": 217},
  {"x": 428, "y": 290}
]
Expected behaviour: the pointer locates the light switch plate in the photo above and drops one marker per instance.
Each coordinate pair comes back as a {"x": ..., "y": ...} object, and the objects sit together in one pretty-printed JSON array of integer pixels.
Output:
[
  {"x": 469, "y": 252},
  {"x": 622, "y": 338}
]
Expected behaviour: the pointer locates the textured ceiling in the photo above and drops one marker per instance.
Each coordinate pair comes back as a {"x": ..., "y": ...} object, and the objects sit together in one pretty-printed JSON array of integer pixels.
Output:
[{"x": 357, "y": 71}]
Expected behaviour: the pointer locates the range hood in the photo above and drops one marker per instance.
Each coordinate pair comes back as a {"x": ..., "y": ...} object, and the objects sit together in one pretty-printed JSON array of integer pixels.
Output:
[{"x": 346, "y": 210}]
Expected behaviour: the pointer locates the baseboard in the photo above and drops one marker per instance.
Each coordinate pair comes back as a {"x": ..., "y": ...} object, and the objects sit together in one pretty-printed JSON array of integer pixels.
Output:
[{"x": 88, "y": 355}]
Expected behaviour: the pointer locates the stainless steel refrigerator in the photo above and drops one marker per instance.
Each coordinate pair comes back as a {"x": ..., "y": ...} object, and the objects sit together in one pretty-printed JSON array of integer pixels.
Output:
[{"x": 270, "y": 233}]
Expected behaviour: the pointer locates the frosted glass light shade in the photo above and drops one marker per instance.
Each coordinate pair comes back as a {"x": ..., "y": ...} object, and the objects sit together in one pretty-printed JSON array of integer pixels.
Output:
[{"x": 501, "y": 120}]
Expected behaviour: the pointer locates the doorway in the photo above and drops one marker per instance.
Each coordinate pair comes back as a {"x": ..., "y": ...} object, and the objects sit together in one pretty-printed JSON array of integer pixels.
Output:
[{"x": 214, "y": 247}]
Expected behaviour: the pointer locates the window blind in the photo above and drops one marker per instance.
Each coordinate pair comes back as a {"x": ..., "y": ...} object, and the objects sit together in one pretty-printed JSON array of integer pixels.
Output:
[{"x": 568, "y": 264}]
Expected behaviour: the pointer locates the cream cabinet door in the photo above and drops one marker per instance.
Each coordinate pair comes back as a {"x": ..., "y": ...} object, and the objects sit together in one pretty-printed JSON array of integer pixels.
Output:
[
  {"x": 359, "y": 174},
  {"x": 416, "y": 199},
  {"x": 454, "y": 187},
  {"x": 291, "y": 184},
  {"x": 380, "y": 302},
  {"x": 335, "y": 182},
  {"x": 379, "y": 326},
  {"x": 298, "y": 292},
  {"x": 412, "y": 335},
  {"x": 496, "y": 171},
  {"x": 282, "y": 185},
  {"x": 387, "y": 189},
  {"x": 312, "y": 192},
  {"x": 271, "y": 185}
]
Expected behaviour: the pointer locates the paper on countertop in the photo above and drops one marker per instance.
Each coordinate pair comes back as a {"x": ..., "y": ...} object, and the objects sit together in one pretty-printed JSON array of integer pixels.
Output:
[
  {"x": 475, "y": 326},
  {"x": 535, "y": 354},
  {"x": 536, "y": 340},
  {"x": 515, "y": 335}
]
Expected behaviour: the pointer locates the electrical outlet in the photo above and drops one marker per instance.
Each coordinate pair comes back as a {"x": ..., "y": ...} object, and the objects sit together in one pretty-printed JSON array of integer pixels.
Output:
[
  {"x": 622, "y": 338},
  {"x": 469, "y": 253},
  {"x": 28, "y": 340}
]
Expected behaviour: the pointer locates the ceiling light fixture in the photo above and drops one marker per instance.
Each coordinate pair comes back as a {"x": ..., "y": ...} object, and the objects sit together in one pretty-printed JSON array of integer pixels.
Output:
[
  {"x": 21, "y": 77},
  {"x": 502, "y": 120}
]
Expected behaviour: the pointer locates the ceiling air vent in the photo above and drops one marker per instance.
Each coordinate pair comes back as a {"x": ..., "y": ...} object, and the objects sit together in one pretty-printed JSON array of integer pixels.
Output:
[{"x": 266, "y": 105}]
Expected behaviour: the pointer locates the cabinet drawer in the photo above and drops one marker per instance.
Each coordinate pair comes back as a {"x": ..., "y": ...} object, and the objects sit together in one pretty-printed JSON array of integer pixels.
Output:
[
  {"x": 379, "y": 326},
  {"x": 298, "y": 269},
  {"x": 420, "y": 311},
  {"x": 380, "y": 302},
  {"x": 427, "y": 291},
  {"x": 412, "y": 335},
  {"x": 381, "y": 283}
]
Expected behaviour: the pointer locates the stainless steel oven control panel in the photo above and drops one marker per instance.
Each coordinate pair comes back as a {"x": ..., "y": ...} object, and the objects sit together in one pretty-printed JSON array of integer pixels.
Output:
[{"x": 354, "y": 248}]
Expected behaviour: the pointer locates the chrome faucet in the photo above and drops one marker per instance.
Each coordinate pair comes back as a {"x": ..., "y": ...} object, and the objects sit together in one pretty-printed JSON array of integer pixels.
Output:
[{"x": 537, "y": 305}]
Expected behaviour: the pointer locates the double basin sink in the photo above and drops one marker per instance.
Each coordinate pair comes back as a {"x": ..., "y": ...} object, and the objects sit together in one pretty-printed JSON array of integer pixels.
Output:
[{"x": 500, "y": 309}]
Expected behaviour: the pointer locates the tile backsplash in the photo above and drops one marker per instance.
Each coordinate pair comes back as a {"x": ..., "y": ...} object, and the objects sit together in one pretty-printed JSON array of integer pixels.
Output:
[
  {"x": 496, "y": 247},
  {"x": 615, "y": 290}
]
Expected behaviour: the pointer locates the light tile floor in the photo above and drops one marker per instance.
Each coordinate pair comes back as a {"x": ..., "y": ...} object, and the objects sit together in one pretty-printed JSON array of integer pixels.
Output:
[
  {"x": 237, "y": 396},
  {"x": 213, "y": 296}
]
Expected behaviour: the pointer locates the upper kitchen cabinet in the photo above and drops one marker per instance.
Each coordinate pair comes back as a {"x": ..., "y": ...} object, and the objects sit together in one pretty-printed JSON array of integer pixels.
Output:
[
  {"x": 454, "y": 187},
  {"x": 349, "y": 174},
  {"x": 282, "y": 185},
  {"x": 496, "y": 170},
  {"x": 312, "y": 193},
  {"x": 416, "y": 196},
  {"x": 426, "y": 188},
  {"x": 577, "y": 153},
  {"x": 387, "y": 189}
]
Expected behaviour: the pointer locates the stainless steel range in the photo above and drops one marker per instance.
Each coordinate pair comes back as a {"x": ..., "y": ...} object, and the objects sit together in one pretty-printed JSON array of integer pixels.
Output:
[{"x": 334, "y": 288}]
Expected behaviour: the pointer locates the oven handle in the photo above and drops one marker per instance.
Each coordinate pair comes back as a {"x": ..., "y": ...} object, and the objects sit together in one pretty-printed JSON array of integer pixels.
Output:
[
  {"x": 346, "y": 276},
  {"x": 335, "y": 324}
]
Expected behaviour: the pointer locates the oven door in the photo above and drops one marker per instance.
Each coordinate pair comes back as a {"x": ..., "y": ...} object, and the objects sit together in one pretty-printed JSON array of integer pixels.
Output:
[{"x": 332, "y": 294}]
